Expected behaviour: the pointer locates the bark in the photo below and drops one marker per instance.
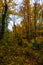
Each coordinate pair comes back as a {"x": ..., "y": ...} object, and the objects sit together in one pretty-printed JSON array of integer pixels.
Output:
[{"x": 3, "y": 20}]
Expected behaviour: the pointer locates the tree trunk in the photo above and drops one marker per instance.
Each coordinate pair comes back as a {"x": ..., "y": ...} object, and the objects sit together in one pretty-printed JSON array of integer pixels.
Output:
[{"x": 3, "y": 20}]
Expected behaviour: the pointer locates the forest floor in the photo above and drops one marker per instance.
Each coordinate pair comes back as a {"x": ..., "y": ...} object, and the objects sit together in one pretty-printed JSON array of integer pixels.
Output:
[{"x": 20, "y": 55}]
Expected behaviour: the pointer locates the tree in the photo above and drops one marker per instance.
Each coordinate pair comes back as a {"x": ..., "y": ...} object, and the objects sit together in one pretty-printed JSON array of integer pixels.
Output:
[
  {"x": 25, "y": 10},
  {"x": 3, "y": 20},
  {"x": 6, "y": 9},
  {"x": 36, "y": 17}
]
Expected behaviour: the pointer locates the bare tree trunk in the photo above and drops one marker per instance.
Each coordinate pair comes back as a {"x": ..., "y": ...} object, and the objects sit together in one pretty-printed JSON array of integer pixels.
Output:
[
  {"x": 3, "y": 20},
  {"x": 35, "y": 21}
]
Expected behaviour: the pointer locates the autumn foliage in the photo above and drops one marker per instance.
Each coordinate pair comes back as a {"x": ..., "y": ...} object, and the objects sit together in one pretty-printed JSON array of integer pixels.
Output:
[{"x": 16, "y": 46}]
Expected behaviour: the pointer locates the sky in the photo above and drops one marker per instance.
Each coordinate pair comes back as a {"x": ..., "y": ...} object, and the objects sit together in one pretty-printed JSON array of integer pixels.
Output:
[{"x": 17, "y": 19}]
